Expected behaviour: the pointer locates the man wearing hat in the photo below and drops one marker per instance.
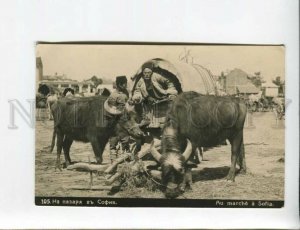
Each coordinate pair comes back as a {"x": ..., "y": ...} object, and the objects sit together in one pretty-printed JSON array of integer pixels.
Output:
[
  {"x": 115, "y": 106},
  {"x": 118, "y": 98},
  {"x": 151, "y": 88}
]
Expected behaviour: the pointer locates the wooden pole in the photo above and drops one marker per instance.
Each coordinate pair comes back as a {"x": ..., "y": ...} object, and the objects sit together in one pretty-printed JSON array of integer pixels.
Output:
[
  {"x": 87, "y": 167},
  {"x": 116, "y": 162},
  {"x": 112, "y": 179},
  {"x": 147, "y": 164},
  {"x": 96, "y": 187},
  {"x": 155, "y": 174},
  {"x": 146, "y": 150}
]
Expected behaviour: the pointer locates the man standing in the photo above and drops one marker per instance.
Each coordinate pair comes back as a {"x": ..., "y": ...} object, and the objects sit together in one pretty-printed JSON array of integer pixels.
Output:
[{"x": 115, "y": 106}]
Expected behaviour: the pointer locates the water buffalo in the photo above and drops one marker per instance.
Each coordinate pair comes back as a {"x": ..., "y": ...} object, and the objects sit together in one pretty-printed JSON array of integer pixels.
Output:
[
  {"x": 86, "y": 120},
  {"x": 196, "y": 121}
]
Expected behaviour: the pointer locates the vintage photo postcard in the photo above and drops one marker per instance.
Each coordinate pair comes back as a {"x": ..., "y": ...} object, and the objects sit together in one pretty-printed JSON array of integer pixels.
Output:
[{"x": 160, "y": 125}]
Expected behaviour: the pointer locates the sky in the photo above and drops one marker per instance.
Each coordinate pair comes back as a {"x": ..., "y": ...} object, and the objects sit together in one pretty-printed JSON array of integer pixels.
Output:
[{"x": 81, "y": 62}]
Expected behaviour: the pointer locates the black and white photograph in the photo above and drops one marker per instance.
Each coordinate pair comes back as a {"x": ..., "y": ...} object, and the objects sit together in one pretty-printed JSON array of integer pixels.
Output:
[
  {"x": 160, "y": 125},
  {"x": 149, "y": 114}
]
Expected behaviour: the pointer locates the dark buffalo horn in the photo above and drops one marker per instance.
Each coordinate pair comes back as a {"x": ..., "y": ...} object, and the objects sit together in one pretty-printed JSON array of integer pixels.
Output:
[
  {"x": 188, "y": 150},
  {"x": 112, "y": 109},
  {"x": 154, "y": 152}
]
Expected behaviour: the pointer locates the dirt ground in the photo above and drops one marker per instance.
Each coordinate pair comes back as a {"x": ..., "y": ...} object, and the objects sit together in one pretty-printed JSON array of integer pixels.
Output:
[{"x": 264, "y": 180}]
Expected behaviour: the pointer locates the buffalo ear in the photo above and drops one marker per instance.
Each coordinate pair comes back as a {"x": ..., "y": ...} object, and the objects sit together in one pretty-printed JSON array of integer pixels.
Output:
[{"x": 188, "y": 150}]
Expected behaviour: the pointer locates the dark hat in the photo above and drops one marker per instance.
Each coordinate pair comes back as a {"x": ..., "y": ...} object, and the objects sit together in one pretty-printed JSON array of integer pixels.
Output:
[
  {"x": 66, "y": 90},
  {"x": 148, "y": 65},
  {"x": 44, "y": 89},
  {"x": 121, "y": 80}
]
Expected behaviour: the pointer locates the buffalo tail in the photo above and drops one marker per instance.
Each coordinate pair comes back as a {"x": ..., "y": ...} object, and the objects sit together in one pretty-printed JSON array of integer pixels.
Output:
[{"x": 53, "y": 140}]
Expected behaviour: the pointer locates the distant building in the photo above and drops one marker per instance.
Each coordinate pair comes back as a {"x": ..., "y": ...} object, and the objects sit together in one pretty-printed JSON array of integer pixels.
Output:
[
  {"x": 237, "y": 82},
  {"x": 247, "y": 89},
  {"x": 270, "y": 89},
  {"x": 61, "y": 84},
  {"x": 39, "y": 69}
]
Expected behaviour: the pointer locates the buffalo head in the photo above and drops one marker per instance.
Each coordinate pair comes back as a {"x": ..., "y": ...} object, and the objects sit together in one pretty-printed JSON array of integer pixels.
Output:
[
  {"x": 127, "y": 123},
  {"x": 173, "y": 165}
]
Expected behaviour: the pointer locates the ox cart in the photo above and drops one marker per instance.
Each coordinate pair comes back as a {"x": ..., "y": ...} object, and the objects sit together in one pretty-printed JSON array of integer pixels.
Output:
[{"x": 185, "y": 77}]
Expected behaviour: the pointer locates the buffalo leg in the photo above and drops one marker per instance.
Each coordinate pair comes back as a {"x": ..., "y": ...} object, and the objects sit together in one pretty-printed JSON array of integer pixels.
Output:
[
  {"x": 199, "y": 152},
  {"x": 98, "y": 150},
  {"x": 59, "y": 144},
  {"x": 236, "y": 143},
  {"x": 66, "y": 147},
  {"x": 241, "y": 159},
  {"x": 188, "y": 179}
]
